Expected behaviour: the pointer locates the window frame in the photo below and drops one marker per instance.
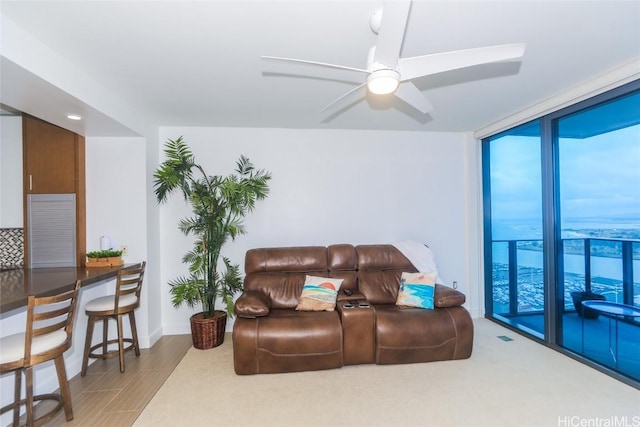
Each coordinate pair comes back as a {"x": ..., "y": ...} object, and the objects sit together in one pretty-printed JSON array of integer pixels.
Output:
[{"x": 553, "y": 284}]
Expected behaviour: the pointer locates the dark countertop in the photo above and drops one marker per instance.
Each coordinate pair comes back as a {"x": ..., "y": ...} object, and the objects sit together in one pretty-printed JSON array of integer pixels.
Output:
[{"x": 16, "y": 285}]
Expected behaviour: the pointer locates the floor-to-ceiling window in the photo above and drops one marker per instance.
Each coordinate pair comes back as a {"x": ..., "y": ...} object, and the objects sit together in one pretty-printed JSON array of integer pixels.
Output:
[
  {"x": 562, "y": 225},
  {"x": 514, "y": 218}
]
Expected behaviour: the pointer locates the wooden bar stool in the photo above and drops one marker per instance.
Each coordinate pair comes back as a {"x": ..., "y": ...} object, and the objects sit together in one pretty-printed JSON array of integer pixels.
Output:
[
  {"x": 47, "y": 337},
  {"x": 125, "y": 301}
]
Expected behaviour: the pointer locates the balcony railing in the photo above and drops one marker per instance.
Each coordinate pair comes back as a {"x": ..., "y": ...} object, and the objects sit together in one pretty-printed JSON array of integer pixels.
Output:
[{"x": 529, "y": 275}]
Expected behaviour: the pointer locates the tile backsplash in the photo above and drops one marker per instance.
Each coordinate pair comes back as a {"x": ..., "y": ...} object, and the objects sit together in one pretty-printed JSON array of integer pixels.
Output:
[{"x": 11, "y": 247}]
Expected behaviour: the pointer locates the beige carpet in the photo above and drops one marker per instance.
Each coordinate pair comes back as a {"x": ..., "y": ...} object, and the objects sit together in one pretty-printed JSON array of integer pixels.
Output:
[{"x": 516, "y": 383}]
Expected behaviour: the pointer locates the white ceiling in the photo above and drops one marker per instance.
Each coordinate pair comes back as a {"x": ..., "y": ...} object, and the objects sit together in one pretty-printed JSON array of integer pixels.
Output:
[{"x": 198, "y": 63}]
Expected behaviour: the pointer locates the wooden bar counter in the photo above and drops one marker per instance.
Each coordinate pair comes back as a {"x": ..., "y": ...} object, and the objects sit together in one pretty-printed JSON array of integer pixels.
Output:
[{"x": 16, "y": 285}]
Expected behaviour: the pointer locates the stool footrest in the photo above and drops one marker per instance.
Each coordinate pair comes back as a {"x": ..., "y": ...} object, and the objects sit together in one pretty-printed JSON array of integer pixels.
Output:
[
  {"x": 39, "y": 398},
  {"x": 110, "y": 353}
]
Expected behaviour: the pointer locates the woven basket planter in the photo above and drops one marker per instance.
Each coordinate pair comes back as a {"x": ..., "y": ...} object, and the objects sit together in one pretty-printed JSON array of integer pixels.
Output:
[{"x": 208, "y": 333}]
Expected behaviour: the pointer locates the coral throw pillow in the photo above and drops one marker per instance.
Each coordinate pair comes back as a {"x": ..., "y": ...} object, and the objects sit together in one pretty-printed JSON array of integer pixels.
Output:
[
  {"x": 417, "y": 290},
  {"x": 319, "y": 294}
]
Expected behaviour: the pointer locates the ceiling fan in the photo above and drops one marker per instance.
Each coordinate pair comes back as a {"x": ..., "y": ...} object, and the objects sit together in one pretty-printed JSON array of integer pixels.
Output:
[{"x": 388, "y": 74}]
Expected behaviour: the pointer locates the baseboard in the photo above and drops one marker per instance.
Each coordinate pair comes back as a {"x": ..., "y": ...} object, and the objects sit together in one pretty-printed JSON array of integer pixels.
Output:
[{"x": 149, "y": 341}]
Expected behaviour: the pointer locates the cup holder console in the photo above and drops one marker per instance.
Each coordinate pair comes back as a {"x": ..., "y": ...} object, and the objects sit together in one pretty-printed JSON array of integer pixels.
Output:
[{"x": 349, "y": 305}]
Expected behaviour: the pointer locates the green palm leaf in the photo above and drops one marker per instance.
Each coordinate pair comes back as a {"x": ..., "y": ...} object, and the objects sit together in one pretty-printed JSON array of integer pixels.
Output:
[{"x": 219, "y": 205}]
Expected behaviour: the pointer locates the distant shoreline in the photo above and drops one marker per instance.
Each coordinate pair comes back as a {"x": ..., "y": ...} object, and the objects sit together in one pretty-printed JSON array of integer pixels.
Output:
[{"x": 604, "y": 242}]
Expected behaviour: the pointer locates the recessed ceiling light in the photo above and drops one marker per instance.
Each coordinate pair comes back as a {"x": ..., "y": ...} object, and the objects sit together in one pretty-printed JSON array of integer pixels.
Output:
[{"x": 74, "y": 117}]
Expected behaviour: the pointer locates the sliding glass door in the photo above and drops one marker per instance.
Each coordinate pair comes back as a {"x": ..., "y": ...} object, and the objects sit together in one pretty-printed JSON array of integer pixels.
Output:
[
  {"x": 562, "y": 225},
  {"x": 598, "y": 151}
]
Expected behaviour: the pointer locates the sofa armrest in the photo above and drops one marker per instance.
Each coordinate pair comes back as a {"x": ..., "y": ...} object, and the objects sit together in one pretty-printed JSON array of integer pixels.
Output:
[
  {"x": 252, "y": 304},
  {"x": 447, "y": 297}
]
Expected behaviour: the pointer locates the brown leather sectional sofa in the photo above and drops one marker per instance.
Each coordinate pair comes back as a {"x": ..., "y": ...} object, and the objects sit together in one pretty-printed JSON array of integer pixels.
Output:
[{"x": 270, "y": 336}]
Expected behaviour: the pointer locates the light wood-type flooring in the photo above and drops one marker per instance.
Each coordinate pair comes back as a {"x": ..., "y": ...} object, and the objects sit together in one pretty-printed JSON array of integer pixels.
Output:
[{"x": 106, "y": 397}]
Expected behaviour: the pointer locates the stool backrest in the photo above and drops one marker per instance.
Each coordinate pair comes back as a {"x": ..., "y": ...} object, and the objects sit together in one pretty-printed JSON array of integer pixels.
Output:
[
  {"x": 128, "y": 287},
  {"x": 49, "y": 325}
]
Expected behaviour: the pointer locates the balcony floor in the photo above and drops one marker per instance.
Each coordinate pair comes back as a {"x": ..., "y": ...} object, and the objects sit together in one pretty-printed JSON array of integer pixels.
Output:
[{"x": 594, "y": 339}]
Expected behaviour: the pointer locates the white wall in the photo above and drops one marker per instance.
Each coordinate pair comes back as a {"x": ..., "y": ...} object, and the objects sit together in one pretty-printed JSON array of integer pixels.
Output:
[
  {"x": 474, "y": 227},
  {"x": 336, "y": 186},
  {"x": 116, "y": 194},
  {"x": 11, "y": 172},
  {"x": 153, "y": 298}
]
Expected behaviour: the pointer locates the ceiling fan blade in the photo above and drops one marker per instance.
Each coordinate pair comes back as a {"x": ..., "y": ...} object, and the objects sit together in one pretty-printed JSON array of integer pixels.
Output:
[
  {"x": 343, "y": 100},
  {"x": 391, "y": 33},
  {"x": 323, "y": 64},
  {"x": 418, "y": 66},
  {"x": 410, "y": 94}
]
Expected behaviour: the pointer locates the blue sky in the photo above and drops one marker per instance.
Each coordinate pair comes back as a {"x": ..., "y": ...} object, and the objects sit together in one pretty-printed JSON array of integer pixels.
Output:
[
  {"x": 515, "y": 178},
  {"x": 599, "y": 176}
]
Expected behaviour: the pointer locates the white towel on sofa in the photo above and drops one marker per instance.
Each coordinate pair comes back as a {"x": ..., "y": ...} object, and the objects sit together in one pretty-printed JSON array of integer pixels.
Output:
[{"x": 420, "y": 256}]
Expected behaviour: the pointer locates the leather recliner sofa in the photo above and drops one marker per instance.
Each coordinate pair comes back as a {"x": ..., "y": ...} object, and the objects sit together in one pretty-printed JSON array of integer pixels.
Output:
[{"x": 270, "y": 336}]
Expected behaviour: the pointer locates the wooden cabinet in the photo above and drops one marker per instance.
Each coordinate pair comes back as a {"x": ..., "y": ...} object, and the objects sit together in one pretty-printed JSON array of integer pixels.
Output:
[
  {"x": 54, "y": 163},
  {"x": 50, "y": 157}
]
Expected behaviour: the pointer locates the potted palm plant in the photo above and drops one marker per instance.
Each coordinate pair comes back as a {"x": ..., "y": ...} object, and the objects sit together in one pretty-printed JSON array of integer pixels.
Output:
[{"x": 219, "y": 205}]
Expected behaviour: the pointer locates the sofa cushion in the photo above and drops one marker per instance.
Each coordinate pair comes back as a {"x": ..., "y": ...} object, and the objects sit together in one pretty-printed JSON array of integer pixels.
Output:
[
  {"x": 319, "y": 294},
  {"x": 410, "y": 335},
  {"x": 417, "y": 290},
  {"x": 382, "y": 257},
  {"x": 380, "y": 268},
  {"x": 343, "y": 264},
  {"x": 342, "y": 257},
  {"x": 288, "y": 341},
  {"x": 279, "y": 273},
  {"x": 286, "y": 260},
  {"x": 379, "y": 287}
]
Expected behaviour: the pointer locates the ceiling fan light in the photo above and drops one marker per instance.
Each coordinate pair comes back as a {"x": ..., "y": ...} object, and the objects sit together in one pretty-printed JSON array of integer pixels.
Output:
[{"x": 383, "y": 82}]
